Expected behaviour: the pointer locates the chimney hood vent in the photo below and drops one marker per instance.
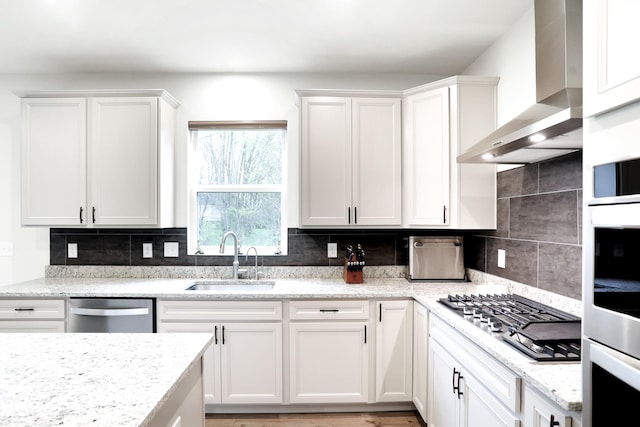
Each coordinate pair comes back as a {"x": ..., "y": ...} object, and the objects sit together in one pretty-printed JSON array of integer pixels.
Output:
[{"x": 553, "y": 126}]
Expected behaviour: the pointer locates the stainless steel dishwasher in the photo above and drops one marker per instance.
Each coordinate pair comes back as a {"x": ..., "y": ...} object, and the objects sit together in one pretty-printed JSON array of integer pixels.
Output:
[{"x": 111, "y": 315}]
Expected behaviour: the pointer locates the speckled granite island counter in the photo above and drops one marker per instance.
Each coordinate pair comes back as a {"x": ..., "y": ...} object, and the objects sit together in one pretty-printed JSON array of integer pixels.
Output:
[{"x": 113, "y": 380}]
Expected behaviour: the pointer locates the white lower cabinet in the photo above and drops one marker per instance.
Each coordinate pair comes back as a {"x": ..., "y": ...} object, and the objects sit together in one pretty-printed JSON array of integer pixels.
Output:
[
  {"x": 467, "y": 388},
  {"x": 329, "y": 352},
  {"x": 420, "y": 358},
  {"x": 394, "y": 351},
  {"x": 539, "y": 411},
  {"x": 32, "y": 315},
  {"x": 244, "y": 364}
]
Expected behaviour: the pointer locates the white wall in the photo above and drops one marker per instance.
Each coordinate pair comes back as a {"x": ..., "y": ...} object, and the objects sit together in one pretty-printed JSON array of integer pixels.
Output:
[
  {"x": 202, "y": 97},
  {"x": 512, "y": 58}
]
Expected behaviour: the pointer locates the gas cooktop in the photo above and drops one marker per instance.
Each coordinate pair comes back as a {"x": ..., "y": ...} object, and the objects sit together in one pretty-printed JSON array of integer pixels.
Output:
[{"x": 541, "y": 332}]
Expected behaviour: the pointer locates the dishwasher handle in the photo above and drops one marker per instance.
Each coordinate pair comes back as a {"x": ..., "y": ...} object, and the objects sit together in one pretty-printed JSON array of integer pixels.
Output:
[{"x": 109, "y": 312}]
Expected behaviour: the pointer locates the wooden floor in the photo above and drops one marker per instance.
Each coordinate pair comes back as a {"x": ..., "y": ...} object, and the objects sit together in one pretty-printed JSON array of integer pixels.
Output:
[{"x": 369, "y": 419}]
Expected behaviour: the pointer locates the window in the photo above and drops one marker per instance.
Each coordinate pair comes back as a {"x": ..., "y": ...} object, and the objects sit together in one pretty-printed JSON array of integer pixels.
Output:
[{"x": 237, "y": 184}]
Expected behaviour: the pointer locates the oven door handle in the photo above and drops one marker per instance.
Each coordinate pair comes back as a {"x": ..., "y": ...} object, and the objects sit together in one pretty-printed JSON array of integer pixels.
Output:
[{"x": 110, "y": 312}]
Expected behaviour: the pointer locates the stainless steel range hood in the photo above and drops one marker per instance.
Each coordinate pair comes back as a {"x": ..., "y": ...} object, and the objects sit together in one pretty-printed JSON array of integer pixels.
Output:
[{"x": 553, "y": 126}]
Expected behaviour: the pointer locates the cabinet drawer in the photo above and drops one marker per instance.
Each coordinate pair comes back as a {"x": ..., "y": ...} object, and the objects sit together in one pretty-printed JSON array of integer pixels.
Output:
[
  {"x": 32, "y": 309},
  {"x": 503, "y": 383},
  {"x": 219, "y": 310},
  {"x": 23, "y": 326},
  {"x": 329, "y": 310}
]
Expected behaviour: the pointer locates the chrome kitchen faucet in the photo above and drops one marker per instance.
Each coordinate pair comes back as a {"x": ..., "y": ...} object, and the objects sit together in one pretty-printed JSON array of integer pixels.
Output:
[{"x": 235, "y": 251}]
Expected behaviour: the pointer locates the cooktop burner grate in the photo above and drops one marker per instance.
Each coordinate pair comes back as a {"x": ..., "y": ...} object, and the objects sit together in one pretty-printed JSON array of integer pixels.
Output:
[{"x": 537, "y": 330}]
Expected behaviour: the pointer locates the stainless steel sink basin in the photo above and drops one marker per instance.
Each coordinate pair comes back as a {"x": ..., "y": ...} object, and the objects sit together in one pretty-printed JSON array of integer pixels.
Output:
[{"x": 231, "y": 285}]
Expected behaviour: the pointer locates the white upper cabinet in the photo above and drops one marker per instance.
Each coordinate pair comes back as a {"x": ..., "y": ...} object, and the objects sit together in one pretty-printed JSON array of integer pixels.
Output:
[
  {"x": 53, "y": 161},
  {"x": 350, "y": 161},
  {"x": 426, "y": 150},
  {"x": 377, "y": 161},
  {"x": 441, "y": 120},
  {"x": 611, "y": 69},
  {"x": 326, "y": 161},
  {"x": 93, "y": 160},
  {"x": 124, "y": 160}
]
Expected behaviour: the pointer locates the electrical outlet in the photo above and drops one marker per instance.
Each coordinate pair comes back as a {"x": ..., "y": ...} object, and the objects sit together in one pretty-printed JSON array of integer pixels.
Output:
[
  {"x": 171, "y": 249},
  {"x": 72, "y": 250},
  {"x": 147, "y": 250},
  {"x": 502, "y": 258},
  {"x": 332, "y": 250},
  {"x": 6, "y": 249}
]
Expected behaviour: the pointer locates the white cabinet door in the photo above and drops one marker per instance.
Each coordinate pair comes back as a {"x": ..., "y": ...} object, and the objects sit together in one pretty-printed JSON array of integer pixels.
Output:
[
  {"x": 325, "y": 161},
  {"x": 377, "y": 162},
  {"x": 444, "y": 400},
  {"x": 329, "y": 362},
  {"x": 251, "y": 363},
  {"x": 420, "y": 358},
  {"x": 53, "y": 161},
  {"x": 426, "y": 157},
  {"x": 394, "y": 351},
  {"x": 611, "y": 67},
  {"x": 244, "y": 365},
  {"x": 123, "y": 155},
  {"x": 350, "y": 161}
]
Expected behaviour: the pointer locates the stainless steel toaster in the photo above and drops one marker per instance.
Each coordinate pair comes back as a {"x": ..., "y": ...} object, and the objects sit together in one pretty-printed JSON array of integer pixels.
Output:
[{"x": 436, "y": 258}]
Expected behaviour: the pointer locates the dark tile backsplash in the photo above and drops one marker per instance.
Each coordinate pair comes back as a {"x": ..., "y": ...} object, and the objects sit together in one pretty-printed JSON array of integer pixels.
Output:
[
  {"x": 306, "y": 247},
  {"x": 539, "y": 227},
  {"x": 539, "y": 223}
]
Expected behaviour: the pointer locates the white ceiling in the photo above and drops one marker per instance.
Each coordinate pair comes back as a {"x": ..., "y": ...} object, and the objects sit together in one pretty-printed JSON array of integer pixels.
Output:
[{"x": 438, "y": 37}]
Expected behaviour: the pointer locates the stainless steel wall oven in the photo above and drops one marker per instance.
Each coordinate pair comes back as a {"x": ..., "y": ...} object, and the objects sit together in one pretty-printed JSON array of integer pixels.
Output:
[{"x": 611, "y": 294}]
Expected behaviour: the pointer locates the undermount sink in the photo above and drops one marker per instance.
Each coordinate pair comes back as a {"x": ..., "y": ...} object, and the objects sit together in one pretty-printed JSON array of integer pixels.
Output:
[{"x": 231, "y": 285}]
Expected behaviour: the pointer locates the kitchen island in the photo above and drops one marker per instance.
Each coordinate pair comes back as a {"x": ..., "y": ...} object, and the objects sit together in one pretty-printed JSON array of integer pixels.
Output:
[{"x": 114, "y": 380}]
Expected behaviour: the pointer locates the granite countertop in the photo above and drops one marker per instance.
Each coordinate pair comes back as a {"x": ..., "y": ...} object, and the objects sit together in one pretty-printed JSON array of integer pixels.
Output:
[
  {"x": 91, "y": 379},
  {"x": 560, "y": 381}
]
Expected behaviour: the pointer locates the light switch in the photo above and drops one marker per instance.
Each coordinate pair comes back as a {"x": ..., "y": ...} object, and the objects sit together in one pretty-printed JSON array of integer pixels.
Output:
[
  {"x": 502, "y": 258},
  {"x": 147, "y": 250},
  {"x": 171, "y": 249},
  {"x": 72, "y": 250}
]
